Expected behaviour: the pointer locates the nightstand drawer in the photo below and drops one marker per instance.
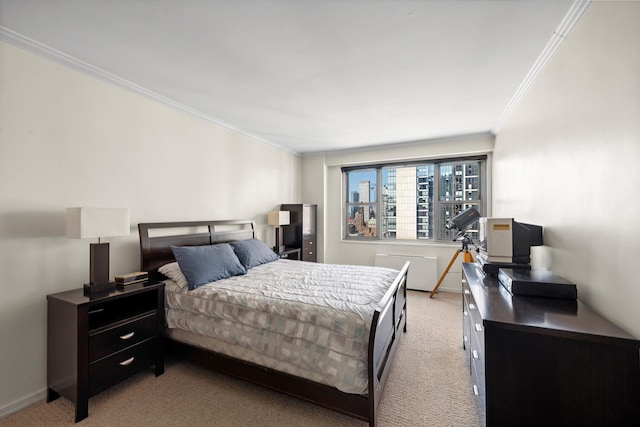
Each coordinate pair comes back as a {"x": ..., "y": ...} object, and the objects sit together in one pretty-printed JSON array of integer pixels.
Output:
[
  {"x": 112, "y": 340},
  {"x": 110, "y": 370}
]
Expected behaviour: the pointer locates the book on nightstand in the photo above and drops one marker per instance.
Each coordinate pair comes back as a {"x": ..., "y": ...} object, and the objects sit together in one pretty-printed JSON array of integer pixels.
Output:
[{"x": 135, "y": 277}]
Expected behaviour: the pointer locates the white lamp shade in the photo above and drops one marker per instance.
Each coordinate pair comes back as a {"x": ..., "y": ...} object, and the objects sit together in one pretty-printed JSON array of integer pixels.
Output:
[
  {"x": 89, "y": 223},
  {"x": 278, "y": 218}
]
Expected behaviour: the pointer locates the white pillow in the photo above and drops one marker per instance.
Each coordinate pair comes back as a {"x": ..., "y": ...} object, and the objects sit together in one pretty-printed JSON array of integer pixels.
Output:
[{"x": 173, "y": 272}]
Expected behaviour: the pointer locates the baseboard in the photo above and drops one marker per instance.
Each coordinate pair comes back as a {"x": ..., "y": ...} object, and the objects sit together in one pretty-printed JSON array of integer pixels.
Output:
[
  {"x": 456, "y": 290},
  {"x": 21, "y": 403}
]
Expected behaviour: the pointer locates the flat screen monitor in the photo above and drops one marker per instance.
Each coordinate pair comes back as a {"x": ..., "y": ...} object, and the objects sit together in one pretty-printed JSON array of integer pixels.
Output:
[{"x": 505, "y": 240}]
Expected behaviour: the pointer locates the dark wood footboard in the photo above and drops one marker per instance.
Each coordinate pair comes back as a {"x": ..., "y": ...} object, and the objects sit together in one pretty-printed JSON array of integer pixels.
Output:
[{"x": 389, "y": 322}]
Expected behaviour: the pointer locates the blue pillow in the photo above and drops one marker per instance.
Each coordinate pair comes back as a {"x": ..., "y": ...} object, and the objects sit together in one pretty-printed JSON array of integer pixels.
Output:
[
  {"x": 253, "y": 252},
  {"x": 204, "y": 264}
]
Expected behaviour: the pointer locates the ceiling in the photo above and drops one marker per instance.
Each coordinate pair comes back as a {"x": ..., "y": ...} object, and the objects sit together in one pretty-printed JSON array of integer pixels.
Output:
[{"x": 308, "y": 76}]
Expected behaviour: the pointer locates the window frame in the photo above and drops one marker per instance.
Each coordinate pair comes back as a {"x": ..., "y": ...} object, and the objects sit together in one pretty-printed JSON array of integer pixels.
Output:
[
  {"x": 436, "y": 222},
  {"x": 347, "y": 204}
]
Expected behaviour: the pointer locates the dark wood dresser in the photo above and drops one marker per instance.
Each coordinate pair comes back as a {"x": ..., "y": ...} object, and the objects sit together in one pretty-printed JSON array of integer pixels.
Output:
[
  {"x": 96, "y": 341},
  {"x": 546, "y": 362},
  {"x": 301, "y": 231}
]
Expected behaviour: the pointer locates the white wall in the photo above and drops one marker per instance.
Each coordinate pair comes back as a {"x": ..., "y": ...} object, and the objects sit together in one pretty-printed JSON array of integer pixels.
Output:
[
  {"x": 67, "y": 139},
  {"x": 339, "y": 251},
  {"x": 314, "y": 184},
  {"x": 569, "y": 159}
]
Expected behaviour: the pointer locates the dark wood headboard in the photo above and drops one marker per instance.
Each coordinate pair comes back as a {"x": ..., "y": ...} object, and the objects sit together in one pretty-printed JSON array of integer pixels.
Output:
[{"x": 156, "y": 239}]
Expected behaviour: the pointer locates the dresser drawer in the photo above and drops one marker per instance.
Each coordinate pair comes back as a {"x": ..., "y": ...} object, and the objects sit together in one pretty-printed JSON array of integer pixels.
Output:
[
  {"x": 110, "y": 370},
  {"x": 478, "y": 378},
  {"x": 477, "y": 329},
  {"x": 309, "y": 249},
  {"x": 466, "y": 325},
  {"x": 474, "y": 319},
  {"x": 309, "y": 255},
  {"x": 477, "y": 372},
  {"x": 309, "y": 243},
  {"x": 466, "y": 345},
  {"x": 111, "y": 340},
  {"x": 466, "y": 293}
]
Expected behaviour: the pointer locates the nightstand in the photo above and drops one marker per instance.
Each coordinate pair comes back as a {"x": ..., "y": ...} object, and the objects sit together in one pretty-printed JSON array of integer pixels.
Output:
[
  {"x": 290, "y": 254},
  {"x": 95, "y": 341}
]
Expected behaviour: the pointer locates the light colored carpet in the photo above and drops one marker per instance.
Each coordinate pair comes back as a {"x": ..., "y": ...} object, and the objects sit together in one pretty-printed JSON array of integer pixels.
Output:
[{"x": 429, "y": 385}]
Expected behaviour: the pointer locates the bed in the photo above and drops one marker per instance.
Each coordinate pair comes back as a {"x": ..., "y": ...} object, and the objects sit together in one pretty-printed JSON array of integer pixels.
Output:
[{"x": 368, "y": 347}]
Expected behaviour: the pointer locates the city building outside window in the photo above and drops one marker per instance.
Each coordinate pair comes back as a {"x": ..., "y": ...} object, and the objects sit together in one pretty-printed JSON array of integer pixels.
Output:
[{"x": 412, "y": 201}]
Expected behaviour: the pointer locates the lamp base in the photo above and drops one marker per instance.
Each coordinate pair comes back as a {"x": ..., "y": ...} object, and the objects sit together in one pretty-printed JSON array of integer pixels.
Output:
[
  {"x": 280, "y": 246},
  {"x": 96, "y": 288},
  {"x": 98, "y": 263},
  {"x": 98, "y": 270}
]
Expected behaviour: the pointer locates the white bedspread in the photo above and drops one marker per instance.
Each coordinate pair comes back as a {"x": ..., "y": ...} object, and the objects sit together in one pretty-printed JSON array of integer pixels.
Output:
[{"x": 307, "y": 319}]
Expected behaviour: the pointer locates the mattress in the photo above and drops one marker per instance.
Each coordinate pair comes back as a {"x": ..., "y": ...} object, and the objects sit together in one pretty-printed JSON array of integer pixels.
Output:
[{"x": 306, "y": 319}]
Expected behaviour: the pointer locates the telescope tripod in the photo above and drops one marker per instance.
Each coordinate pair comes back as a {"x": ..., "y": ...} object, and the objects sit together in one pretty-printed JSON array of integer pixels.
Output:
[{"x": 467, "y": 258}]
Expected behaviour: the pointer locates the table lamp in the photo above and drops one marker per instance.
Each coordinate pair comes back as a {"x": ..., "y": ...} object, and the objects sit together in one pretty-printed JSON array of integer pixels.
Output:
[
  {"x": 278, "y": 219},
  {"x": 91, "y": 223}
]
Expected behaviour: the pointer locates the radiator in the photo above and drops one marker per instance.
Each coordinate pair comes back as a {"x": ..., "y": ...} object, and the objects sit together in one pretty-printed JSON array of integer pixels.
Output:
[{"x": 423, "y": 270}]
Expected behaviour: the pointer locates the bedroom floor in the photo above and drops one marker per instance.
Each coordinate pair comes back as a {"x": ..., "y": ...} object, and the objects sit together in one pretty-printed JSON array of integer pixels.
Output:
[{"x": 429, "y": 385}]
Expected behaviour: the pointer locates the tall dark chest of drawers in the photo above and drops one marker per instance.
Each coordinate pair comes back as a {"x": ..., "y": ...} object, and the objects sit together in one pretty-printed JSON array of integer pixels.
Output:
[
  {"x": 301, "y": 231},
  {"x": 95, "y": 342},
  {"x": 541, "y": 361}
]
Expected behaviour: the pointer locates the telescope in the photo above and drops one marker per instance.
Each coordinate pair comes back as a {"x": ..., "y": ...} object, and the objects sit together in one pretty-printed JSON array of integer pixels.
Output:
[
  {"x": 463, "y": 219},
  {"x": 460, "y": 222}
]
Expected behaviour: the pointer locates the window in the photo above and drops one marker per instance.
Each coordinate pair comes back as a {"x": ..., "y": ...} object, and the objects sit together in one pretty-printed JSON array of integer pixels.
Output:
[
  {"x": 362, "y": 203},
  {"x": 411, "y": 201}
]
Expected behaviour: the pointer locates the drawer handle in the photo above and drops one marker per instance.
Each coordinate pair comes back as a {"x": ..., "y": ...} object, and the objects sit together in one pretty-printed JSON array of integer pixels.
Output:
[
  {"x": 127, "y": 362},
  {"x": 475, "y": 354},
  {"x": 466, "y": 338},
  {"x": 475, "y": 390},
  {"x": 127, "y": 336},
  {"x": 478, "y": 327},
  {"x": 96, "y": 311},
  {"x": 466, "y": 313},
  {"x": 466, "y": 291},
  {"x": 472, "y": 306}
]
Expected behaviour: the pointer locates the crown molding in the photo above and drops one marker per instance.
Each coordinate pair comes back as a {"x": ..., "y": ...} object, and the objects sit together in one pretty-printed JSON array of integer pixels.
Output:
[
  {"x": 574, "y": 14},
  {"x": 62, "y": 58}
]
